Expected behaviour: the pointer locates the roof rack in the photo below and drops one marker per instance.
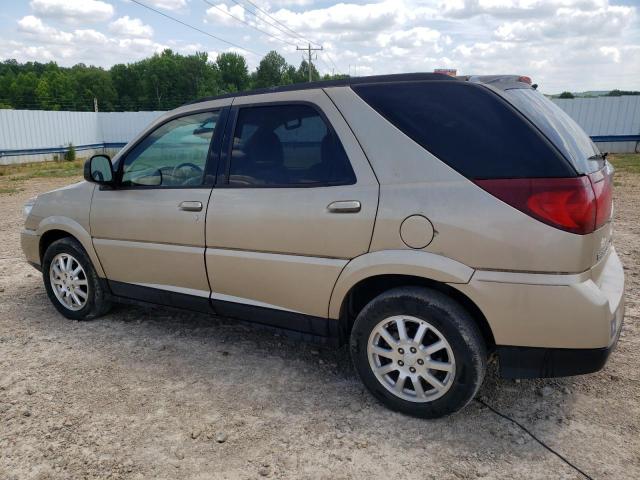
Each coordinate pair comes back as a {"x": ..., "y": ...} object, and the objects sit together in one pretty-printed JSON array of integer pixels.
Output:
[{"x": 400, "y": 77}]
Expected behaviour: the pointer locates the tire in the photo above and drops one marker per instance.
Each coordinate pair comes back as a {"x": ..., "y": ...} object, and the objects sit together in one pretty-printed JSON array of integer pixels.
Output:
[
  {"x": 68, "y": 251},
  {"x": 459, "y": 359}
]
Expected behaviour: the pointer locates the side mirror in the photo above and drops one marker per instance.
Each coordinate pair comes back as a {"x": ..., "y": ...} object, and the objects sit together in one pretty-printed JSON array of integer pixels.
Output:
[{"x": 98, "y": 169}]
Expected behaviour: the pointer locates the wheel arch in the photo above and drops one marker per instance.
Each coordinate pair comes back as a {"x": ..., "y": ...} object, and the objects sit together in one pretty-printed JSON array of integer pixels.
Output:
[
  {"x": 50, "y": 236},
  {"x": 368, "y": 288},
  {"x": 52, "y": 229}
]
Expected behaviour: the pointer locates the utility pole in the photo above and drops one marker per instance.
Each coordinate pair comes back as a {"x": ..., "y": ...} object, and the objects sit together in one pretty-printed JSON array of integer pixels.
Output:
[
  {"x": 308, "y": 49},
  {"x": 95, "y": 104}
]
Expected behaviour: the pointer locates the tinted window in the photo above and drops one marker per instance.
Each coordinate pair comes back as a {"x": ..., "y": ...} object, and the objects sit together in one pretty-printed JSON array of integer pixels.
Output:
[
  {"x": 173, "y": 155},
  {"x": 559, "y": 127},
  {"x": 468, "y": 127},
  {"x": 286, "y": 145}
]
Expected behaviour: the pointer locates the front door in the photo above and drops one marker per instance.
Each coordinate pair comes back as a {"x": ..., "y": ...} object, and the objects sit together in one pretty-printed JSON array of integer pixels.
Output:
[
  {"x": 297, "y": 201},
  {"x": 149, "y": 231}
]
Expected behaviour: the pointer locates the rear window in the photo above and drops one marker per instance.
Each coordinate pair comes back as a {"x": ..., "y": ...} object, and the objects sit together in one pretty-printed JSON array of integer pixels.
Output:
[
  {"x": 559, "y": 127},
  {"x": 468, "y": 127}
]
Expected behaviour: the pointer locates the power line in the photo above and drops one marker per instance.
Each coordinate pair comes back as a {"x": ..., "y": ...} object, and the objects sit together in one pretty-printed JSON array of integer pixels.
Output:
[
  {"x": 329, "y": 68},
  {"x": 277, "y": 21},
  {"x": 331, "y": 60},
  {"x": 264, "y": 21},
  {"x": 193, "y": 27},
  {"x": 292, "y": 31},
  {"x": 295, "y": 33},
  {"x": 247, "y": 23}
]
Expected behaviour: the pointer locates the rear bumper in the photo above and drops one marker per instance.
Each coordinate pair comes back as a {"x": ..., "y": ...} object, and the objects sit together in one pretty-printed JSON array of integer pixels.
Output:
[
  {"x": 532, "y": 362},
  {"x": 551, "y": 311}
]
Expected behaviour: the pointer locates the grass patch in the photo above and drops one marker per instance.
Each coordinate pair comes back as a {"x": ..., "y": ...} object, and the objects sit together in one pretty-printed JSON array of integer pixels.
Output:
[
  {"x": 12, "y": 176},
  {"x": 41, "y": 169},
  {"x": 625, "y": 162}
]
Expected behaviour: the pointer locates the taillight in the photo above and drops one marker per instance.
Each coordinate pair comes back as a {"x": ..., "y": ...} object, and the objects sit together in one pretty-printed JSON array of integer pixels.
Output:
[
  {"x": 602, "y": 183},
  {"x": 577, "y": 205}
]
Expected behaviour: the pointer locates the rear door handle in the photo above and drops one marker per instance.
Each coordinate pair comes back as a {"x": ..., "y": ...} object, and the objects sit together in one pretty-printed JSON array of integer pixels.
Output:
[
  {"x": 347, "y": 206},
  {"x": 190, "y": 206}
]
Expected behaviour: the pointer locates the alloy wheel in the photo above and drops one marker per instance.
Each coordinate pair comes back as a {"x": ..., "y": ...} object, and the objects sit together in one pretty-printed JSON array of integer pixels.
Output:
[
  {"x": 411, "y": 358},
  {"x": 69, "y": 281}
]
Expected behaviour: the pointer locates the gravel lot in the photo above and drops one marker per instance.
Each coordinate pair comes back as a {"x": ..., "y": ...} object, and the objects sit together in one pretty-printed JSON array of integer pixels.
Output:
[{"x": 164, "y": 394}]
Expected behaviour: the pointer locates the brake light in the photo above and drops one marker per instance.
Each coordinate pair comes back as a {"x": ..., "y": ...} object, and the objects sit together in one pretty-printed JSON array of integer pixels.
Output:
[
  {"x": 524, "y": 79},
  {"x": 602, "y": 183},
  {"x": 578, "y": 205}
]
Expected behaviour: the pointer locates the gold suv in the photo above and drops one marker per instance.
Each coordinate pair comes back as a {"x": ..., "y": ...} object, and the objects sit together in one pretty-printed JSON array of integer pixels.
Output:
[{"x": 428, "y": 221}]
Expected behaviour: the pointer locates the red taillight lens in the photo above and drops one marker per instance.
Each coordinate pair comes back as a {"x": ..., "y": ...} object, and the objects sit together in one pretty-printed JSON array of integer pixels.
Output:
[
  {"x": 602, "y": 183},
  {"x": 565, "y": 203}
]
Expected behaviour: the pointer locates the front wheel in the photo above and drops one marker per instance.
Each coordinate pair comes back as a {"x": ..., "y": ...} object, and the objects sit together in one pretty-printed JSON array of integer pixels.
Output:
[
  {"x": 418, "y": 351},
  {"x": 72, "y": 283}
]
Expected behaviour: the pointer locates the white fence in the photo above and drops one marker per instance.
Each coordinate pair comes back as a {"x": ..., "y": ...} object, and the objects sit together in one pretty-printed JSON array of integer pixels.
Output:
[{"x": 36, "y": 135}]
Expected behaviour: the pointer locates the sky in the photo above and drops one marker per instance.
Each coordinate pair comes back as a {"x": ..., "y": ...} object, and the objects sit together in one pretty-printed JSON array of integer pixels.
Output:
[{"x": 573, "y": 45}]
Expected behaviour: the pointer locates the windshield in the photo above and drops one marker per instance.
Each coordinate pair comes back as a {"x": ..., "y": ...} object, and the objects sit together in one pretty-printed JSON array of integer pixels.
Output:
[{"x": 558, "y": 127}]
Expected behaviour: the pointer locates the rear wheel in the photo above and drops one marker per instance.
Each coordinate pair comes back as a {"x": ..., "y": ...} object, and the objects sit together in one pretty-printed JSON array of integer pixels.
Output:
[
  {"x": 418, "y": 351},
  {"x": 72, "y": 283}
]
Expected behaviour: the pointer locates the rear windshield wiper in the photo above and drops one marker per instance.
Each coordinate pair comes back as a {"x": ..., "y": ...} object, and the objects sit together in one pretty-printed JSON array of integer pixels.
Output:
[{"x": 599, "y": 156}]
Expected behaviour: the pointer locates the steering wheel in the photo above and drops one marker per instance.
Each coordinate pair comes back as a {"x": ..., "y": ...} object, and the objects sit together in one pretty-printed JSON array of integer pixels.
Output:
[{"x": 195, "y": 174}]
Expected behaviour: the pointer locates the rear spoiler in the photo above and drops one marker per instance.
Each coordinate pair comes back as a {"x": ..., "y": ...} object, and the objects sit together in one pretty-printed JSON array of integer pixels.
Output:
[{"x": 501, "y": 82}]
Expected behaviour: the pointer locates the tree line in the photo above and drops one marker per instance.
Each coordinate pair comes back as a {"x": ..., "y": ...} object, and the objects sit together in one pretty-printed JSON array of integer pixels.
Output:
[
  {"x": 161, "y": 82},
  {"x": 612, "y": 93}
]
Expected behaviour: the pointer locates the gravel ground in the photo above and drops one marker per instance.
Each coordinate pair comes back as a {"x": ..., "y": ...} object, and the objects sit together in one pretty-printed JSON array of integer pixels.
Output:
[{"x": 156, "y": 393}]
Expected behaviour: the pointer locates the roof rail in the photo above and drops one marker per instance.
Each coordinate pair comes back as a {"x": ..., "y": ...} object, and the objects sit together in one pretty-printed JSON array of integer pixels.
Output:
[{"x": 400, "y": 77}]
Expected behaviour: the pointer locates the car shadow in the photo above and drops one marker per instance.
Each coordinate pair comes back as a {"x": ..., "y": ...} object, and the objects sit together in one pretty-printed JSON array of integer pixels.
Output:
[{"x": 544, "y": 402}]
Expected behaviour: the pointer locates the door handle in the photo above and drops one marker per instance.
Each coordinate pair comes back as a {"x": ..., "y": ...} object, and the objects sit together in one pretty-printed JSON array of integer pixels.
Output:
[
  {"x": 348, "y": 206},
  {"x": 190, "y": 206}
]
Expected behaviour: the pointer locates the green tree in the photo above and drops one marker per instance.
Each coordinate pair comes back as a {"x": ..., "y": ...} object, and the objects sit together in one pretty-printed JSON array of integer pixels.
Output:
[
  {"x": 22, "y": 90},
  {"x": 271, "y": 71},
  {"x": 302, "y": 74},
  {"x": 93, "y": 82},
  {"x": 620, "y": 93},
  {"x": 160, "y": 77},
  {"x": 70, "y": 153},
  {"x": 233, "y": 71},
  {"x": 290, "y": 75},
  {"x": 160, "y": 82},
  {"x": 201, "y": 77},
  {"x": 127, "y": 82},
  {"x": 566, "y": 95},
  {"x": 57, "y": 91}
]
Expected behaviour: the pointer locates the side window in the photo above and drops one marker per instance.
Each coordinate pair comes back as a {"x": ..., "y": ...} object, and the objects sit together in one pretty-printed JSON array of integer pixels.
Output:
[
  {"x": 287, "y": 145},
  {"x": 173, "y": 155}
]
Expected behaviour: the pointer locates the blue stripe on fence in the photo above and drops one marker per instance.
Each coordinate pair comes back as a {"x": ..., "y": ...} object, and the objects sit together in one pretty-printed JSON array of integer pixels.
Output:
[
  {"x": 616, "y": 138},
  {"x": 36, "y": 151}
]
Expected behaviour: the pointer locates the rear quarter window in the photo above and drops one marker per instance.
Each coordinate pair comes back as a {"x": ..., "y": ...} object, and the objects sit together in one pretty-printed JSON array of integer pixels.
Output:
[
  {"x": 468, "y": 127},
  {"x": 558, "y": 126}
]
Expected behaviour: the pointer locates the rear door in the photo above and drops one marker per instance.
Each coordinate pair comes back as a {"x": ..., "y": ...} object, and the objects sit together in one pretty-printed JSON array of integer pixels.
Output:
[
  {"x": 149, "y": 230},
  {"x": 295, "y": 200}
]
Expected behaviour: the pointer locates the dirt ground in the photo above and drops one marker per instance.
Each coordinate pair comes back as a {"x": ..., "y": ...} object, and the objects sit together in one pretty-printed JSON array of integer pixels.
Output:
[{"x": 171, "y": 395}]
